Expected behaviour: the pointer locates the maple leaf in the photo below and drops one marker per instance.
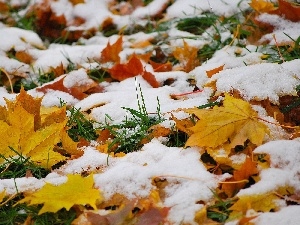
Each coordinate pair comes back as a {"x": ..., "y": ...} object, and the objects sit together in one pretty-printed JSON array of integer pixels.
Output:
[
  {"x": 236, "y": 182},
  {"x": 212, "y": 72},
  {"x": 20, "y": 135},
  {"x": 133, "y": 68},
  {"x": 289, "y": 9},
  {"x": 257, "y": 202},
  {"x": 150, "y": 78},
  {"x": 111, "y": 52},
  {"x": 235, "y": 121},
  {"x": 77, "y": 91},
  {"x": 22, "y": 130},
  {"x": 187, "y": 56},
  {"x": 161, "y": 67},
  {"x": 262, "y": 6},
  {"x": 121, "y": 72},
  {"x": 77, "y": 190}
]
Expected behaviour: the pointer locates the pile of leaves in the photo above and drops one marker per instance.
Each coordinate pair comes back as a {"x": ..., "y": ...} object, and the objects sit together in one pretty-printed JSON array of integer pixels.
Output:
[{"x": 37, "y": 140}]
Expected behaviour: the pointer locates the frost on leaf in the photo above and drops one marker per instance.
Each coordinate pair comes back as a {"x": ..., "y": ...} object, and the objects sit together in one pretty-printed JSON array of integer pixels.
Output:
[
  {"x": 76, "y": 191},
  {"x": 231, "y": 124}
]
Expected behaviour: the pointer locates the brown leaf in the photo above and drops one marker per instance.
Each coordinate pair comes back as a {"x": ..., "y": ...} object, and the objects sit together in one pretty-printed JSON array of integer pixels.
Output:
[{"x": 48, "y": 23}]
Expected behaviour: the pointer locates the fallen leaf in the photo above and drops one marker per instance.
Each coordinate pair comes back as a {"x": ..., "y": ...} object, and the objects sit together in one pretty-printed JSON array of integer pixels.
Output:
[
  {"x": 111, "y": 52},
  {"x": 161, "y": 67},
  {"x": 262, "y": 6},
  {"x": 22, "y": 131},
  {"x": 77, "y": 91},
  {"x": 240, "y": 177},
  {"x": 150, "y": 78},
  {"x": 24, "y": 57},
  {"x": 2, "y": 195},
  {"x": 48, "y": 23},
  {"x": 187, "y": 56},
  {"x": 212, "y": 72},
  {"x": 235, "y": 121},
  {"x": 289, "y": 10},
  {"x": 133, "y": 68},
  {"x": 59, "y": 70},
  {"x": 141, "y": 44},
  {"x": 77, "y": 190},
  {"x": 258, "y": 202}
]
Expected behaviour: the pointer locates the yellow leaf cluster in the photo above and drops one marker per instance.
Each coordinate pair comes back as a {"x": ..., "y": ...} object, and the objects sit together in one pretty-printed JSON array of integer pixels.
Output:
[
  {"x": 231, "y": 124},
  {"x": 76, "y": 191},
  {"x": 25, "y": 131}
]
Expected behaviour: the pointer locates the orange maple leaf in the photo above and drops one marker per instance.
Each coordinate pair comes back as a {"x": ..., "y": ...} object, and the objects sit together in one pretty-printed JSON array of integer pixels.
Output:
[
  {"x": 187, "y": 56},
  {"x": 240, "y": 177},
  {"x": 161, "y": 67},
  {"x": 121, "y": 72},
  {"x": 212, "y": 72},
  {"x": 111, "y": 52},
  {"x": 133, "y": 68},
  {"x": 76, "y": 91},
  {"x": 150, "y": 78}
]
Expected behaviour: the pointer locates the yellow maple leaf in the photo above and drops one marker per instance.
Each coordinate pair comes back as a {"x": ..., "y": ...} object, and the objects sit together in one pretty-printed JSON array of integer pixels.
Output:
[
  {"x": 77, "y": 190},
  {"x": 234, "y": 122},
  {"x": 257, "y": 202},
  {"x": 21, "y": 129},
  {"x": 262, "y": 6}
]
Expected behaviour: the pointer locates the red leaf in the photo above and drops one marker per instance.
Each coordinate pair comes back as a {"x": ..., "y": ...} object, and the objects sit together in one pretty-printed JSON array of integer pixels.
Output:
[
  {"x": 150, "y": 78},
  {"x": 123, "y": 71},
  {"x": 76, "y": 91},
  {"x": 289, "y": 10}
]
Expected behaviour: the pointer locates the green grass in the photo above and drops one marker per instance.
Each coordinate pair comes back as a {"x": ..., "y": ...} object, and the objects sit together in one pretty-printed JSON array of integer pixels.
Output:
[
  {"x": 129, "y": 134},
  {"x": 283, "y": 53},
  {"x": 19, "y": 166},
  {"x": 219, "y": 211},
  {"x": 11, "y": 214},
  {"x": 197, "y": 25},
  {"x": 80, "y": 126}
]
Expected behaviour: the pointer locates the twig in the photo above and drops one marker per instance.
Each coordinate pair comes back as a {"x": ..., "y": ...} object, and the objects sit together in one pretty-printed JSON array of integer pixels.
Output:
[{"x": 9, "y": 80}]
